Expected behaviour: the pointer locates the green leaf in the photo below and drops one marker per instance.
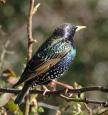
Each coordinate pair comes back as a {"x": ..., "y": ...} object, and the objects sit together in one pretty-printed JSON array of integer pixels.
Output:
[
  {"x": 13, "y": 107},
  {"x": 40, "y": 110},
  {"x": 4, "y": 98}
]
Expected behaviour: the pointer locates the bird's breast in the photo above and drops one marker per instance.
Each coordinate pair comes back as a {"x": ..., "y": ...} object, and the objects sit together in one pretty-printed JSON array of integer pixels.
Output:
[{"x": 67, "y": 60}]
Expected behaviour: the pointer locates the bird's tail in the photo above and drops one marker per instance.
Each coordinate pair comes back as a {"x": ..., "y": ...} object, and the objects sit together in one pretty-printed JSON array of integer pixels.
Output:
[{"x": 22, "y": 94}]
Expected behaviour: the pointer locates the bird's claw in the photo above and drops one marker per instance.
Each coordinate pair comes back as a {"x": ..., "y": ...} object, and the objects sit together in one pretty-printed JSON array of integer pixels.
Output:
[
  {"x": 45, "y": 90},
  {"x": 67, "y": 91}
]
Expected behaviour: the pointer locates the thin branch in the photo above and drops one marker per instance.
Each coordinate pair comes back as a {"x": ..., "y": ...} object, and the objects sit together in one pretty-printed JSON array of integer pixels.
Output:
[
  {"x": 48, "y": 106},
  {"x": 32, "y": 10},
  {"x": 103, "y": 112},
  {"x": 63, "y": 91},
  {"x": 3, "y": 54},
  {"x": 103, "y": 103},
  {"x": 35, "y": 8},
  {"x": 30, "y": 45},
  {"x": 29, "y": 29},
  {"x": 88, "y": 109}
]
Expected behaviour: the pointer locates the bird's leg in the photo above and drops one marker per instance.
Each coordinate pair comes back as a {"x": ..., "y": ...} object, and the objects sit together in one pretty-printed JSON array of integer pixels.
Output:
[
  {"x": 64, "y": 85},
  {"x": 52, "y": 85},
  {"x": 45, "y": 90}
]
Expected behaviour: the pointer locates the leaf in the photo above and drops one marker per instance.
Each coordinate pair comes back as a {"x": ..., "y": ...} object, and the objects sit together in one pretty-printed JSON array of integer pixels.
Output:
[
  {"x": 4, "y": 98},
  {"x": 13, "y": 107},
  {"x": 40, "y": 110},
  {"x": 10, "y": 76}
]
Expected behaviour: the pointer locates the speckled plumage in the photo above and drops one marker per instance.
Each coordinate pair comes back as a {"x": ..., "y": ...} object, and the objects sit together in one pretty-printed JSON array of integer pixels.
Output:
[{"x": 51, "y": 60}]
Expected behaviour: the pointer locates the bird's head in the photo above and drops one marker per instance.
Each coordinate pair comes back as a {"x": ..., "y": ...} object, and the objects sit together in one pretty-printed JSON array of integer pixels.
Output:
[{"x": 67, "y": 30}]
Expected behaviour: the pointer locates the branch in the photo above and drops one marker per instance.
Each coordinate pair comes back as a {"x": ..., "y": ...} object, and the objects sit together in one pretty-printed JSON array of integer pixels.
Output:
[
  {"x": 3, "y": 54},
  {"x": 90, "y": 112},
  {"x": 103, "y": 112},
  {"x": 63, "y": 91},
  {"x": 32, "y": 10},
  {"x": 87, "y": 101}
]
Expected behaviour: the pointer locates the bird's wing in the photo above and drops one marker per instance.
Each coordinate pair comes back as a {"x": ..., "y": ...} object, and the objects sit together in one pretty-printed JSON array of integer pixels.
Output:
[
  {"x": 42, "y": 68},
  {"x": 43, "y": 60}
]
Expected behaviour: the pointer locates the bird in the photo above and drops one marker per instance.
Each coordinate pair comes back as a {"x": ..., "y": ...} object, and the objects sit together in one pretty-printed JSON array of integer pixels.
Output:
[{"x": 50, "y": 61}]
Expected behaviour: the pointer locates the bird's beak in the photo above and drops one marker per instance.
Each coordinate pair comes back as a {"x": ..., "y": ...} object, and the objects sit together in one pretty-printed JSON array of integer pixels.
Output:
[{"x": 80, "y": 27}]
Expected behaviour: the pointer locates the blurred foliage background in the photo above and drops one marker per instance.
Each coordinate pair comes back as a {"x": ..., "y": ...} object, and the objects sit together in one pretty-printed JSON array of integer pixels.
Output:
[{"x": 91, "y": 64}]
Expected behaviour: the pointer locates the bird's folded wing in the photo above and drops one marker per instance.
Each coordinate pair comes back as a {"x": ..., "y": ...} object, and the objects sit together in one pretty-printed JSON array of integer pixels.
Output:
[{"x": 49, "y": 63}]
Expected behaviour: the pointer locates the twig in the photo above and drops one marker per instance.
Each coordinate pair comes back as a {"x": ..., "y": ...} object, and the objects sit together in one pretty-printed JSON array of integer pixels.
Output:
[
  {"x": 103, "y": 112},
  {"x": 83, "y": 100},
  {"x": 88, "y": 109},
  {"x": 32, "y": 10},
  {"x": 48, "y": 106},
  {"x": 62, "y": 91},
  {"x": 3, "y": 54},
  {"x": 35, "y": 8},
  {"x": 30, "y": 43}
]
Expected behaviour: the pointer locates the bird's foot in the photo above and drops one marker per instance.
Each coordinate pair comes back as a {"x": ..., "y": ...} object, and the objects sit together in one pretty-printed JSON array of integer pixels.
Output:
[
  {"x": 67, "y": 93},
  {"x": 45, "y": 90},
  {"x": 68, "y": 87}
]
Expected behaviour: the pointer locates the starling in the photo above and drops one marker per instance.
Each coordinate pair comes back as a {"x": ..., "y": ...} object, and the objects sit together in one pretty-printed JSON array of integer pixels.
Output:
[{"x": 51, "y": 60}]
